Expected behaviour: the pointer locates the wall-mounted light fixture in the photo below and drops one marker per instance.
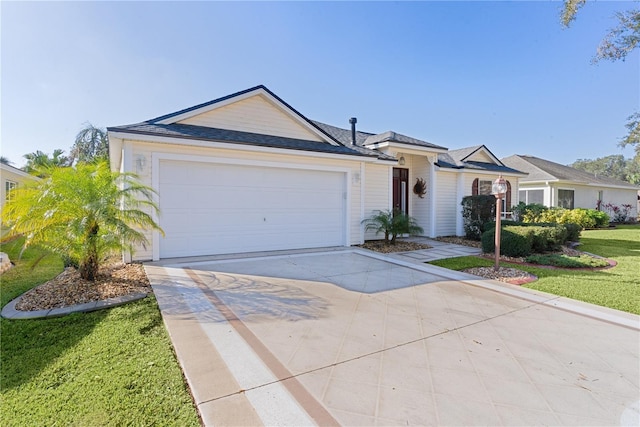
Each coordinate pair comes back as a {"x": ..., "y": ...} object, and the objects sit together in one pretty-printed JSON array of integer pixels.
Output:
[
  {"x": 401, "y": 161},
  {"x": 141, "y": 162}
]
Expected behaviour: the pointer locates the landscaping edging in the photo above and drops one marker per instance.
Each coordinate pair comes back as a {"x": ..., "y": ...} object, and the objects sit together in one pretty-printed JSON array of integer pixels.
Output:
[
  {"x": 612, "y": 263},
  {"x": 9, "y": 311}
]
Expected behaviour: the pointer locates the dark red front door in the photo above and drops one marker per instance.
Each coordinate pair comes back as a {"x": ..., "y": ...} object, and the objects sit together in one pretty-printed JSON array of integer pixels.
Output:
[{"x": 401, "y": 190}]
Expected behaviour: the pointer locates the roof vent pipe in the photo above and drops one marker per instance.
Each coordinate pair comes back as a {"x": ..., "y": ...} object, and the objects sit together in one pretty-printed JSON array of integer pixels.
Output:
[{"x": 353, "y": 122}]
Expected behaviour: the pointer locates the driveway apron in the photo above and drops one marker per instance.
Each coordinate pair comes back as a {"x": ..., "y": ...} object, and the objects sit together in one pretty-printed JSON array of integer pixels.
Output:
[{"x": 352, "y": 337}]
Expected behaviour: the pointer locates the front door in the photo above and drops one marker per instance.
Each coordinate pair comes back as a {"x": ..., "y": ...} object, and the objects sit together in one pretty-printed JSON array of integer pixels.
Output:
[{"x": 401, "y": 190}]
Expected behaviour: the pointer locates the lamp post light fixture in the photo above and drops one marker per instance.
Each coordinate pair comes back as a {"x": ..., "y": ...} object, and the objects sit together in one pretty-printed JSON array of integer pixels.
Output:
[{"x": 498, "y": 189}]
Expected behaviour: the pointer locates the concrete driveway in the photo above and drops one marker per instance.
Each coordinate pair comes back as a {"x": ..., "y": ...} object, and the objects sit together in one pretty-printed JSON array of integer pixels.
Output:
[{"x": 350, "y": 337}]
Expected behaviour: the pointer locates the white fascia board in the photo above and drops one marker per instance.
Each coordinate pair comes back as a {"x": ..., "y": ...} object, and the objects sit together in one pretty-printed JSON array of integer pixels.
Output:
[
  {"x": 238, "y": 147},
  {"x": 406, "y": 148},
  {"x": 259, "y": 91},
  {"x": 630, "y": 187}
]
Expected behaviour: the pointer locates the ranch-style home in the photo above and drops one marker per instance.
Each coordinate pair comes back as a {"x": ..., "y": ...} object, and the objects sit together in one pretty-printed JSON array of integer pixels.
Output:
[
  {"x": 555, "y": 185},
  {"x": 247, "y": 172}
]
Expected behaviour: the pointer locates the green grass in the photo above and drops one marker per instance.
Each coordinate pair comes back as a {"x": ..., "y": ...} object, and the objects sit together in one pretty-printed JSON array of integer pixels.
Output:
[
  {"x": 617, "y": 287},
  {"x": 111, "y": 367},
  {"x": 565, "y": 261}
]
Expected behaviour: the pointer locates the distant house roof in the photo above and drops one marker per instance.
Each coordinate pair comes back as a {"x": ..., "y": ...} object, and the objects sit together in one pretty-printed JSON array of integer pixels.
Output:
[
  {"x": 546, "y": 170},
  {"x": 459, "y": 159}
]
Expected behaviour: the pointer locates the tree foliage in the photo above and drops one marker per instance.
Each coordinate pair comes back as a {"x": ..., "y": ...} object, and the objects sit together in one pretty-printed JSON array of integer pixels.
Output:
[
  {"x": 5, "y": 161},
  {"x": 614, "y": 166},
  {"x": 91, "y": 144},
  {"x": 39, "y": 163},
  {"x": 84, "y": 213},
  {"x": 616, "y": 45}
]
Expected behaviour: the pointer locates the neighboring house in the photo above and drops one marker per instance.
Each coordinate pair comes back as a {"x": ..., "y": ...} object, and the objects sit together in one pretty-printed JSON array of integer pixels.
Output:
[
  {"x": 247, "y": 172},
  {"x": 556, "y": 185},
  {"x": 11, "y": 178}
]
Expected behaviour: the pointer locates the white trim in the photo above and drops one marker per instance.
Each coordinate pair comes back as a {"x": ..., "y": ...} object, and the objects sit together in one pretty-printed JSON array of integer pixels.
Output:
[
  {"x": 459, "y": 196},
  {"x": 237, "y": 147},
  {"x": 406, "y": 148},
  {"x": 582, "y": 183},
  {"x": 257, "y": 92},
  {"x": 432, "y": 202},
  {"x": 362, "y": 200},
  {"x": 157, "y": 157}
]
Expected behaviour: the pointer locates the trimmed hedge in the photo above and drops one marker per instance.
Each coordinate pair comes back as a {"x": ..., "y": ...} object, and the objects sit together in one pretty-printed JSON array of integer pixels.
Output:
[
  {"x": 523, "y": 240},
  {"x": 514, "y": 241},
  {"x": 572, "y": 230}
]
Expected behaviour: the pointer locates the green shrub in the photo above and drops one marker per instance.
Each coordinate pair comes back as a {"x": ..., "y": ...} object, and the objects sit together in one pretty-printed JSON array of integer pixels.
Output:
[
  {"x": 548, "y": 238},
  {"x": 585, "y": 218},
  {"x": 476, "y": 212},
  {"x": 565, "y": 261},
  {"x": 392, "y": 224},
  {"x": 530, "y": 212},
  {"x": 573, "y": 232},
  {"x": 515, "y": 241}
]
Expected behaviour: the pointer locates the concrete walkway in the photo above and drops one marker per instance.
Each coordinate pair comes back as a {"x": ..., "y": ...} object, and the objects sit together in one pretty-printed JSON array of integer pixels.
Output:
[{"x": 350, "y": 337}]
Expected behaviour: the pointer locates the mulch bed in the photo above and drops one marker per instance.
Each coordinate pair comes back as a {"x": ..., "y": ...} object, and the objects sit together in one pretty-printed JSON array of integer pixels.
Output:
[
  {"x": 68, "y": 288},
  {"x": 400, "y": 246},
  {"x": 504, "y": 274}
]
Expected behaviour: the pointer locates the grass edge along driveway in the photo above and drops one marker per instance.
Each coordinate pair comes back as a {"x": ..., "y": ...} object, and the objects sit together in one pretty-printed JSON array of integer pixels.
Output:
[
  {"x": 110, "y": 367},
  {"x": 617, "y": 287}
]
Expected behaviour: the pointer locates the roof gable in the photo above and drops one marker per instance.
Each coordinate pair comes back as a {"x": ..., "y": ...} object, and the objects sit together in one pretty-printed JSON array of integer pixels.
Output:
[
  {"x": 478, "y": 157},
  {"x": 269, "y": 115}
]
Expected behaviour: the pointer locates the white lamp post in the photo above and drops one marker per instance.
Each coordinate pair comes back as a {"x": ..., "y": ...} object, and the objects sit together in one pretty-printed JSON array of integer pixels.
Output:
[{"x": 498, "y": 189}]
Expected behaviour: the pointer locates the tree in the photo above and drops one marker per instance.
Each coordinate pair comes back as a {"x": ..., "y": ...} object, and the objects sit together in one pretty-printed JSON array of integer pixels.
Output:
[
  {"x": 38, "y": 163},
  {"x": 614, "y": 166},
  {"x": 5, "y": 161},
  {"x": 617, "y": 44},
  {"x": 392, "y": 224},
  {"x": 91, "y": 144},
  {"x": 84, "y": 213}
]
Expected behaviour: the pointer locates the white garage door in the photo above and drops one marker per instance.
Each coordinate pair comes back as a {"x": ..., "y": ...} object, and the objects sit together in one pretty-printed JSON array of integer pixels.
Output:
[{"x": 208, "y": 208}]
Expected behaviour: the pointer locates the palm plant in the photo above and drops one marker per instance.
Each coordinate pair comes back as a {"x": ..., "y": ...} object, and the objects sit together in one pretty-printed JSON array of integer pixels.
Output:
[
  {"x": 91, "y": 144},
  {"x": 38, "y": 163},
  {"x": 392, "y": 223},
  {"x": 84, "y": 213}
]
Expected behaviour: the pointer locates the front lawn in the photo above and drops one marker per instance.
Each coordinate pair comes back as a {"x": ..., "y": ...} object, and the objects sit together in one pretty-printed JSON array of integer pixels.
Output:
[
  {"x": 111, "y": 367},
  {"x": 617, "y": 287}
]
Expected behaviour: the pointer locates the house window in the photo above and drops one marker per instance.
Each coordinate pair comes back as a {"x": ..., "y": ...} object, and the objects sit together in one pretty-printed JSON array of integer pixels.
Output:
[
  {"x": 532, "y": 196},
  {"x": 484, "y": 187},
  {"x": 9, "y": 186},
  {"x": 565, "y": 199}
]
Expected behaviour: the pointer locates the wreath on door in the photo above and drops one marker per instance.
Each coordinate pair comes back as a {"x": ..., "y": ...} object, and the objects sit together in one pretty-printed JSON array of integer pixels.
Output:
[{"x": 420, "y": 188}]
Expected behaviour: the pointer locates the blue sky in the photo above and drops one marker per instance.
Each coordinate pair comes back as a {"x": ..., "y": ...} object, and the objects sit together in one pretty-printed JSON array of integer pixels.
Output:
[{"x": 503, "y": 74}]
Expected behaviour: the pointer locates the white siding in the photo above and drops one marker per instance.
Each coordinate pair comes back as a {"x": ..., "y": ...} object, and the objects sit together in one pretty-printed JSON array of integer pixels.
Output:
[
  {"x": 446, "y": 204},
  {"x": 146, "y": 150},
  {"x": 587, "y": 196},
  {"x": 254, "y": 114},
  {"x": 419, "y": 207},
  {"x": 481, "y": 156},
  {"x": 377, "y": 192}
]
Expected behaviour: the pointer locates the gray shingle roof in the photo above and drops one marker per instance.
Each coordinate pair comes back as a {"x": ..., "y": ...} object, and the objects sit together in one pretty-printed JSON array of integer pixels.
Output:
[
  {"x": 455, "y": 159},
  {"x": 391, "y": 136},
  {"x": 203, "y": 133},
  {"x": 546, "y": 170}
]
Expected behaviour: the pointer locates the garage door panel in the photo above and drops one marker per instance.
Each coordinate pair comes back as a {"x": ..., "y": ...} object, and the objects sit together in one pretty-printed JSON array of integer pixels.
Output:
[{"x": 211, "y": 208}]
